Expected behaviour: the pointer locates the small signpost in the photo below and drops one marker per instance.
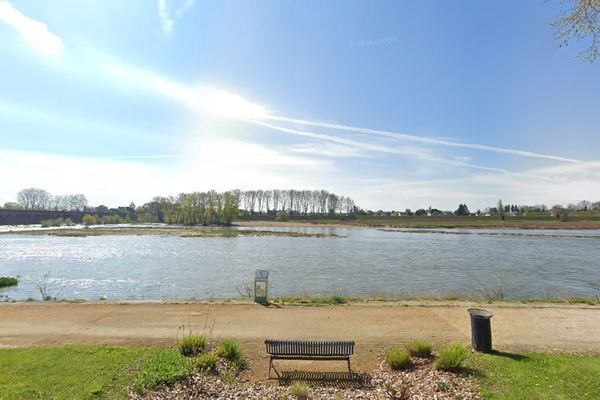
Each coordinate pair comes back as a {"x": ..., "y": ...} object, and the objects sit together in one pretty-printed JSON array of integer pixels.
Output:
[{"x": 261, "y": 285}]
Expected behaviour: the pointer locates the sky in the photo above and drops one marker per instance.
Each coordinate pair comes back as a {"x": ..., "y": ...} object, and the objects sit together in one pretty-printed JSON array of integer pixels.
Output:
[{"x": 396, "y": 104}]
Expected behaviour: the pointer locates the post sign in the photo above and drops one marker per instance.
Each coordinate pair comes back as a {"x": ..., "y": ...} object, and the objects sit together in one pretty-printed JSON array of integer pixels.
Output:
[{"x": 261, "y": 286}]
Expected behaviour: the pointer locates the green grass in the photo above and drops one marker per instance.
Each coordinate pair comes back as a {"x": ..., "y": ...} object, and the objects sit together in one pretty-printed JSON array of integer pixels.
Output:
[
  {"x": 398, "y": 358},
  {"x": 299, "y": 390},
  {"x": 451, "y": 357},
  {"x": 230, "y": 350},
  {"x": 166, "y": 367},
  {"x": 205, "y": 362},
  {"x": 6, "y": 281},
  {"x": 191, "y": 346},
  {"x": 312, "y": 300},
  {"x": 537, "y": 376},
  {"x": 70, "y": 372},
  {"x": 419, "y": 349}
]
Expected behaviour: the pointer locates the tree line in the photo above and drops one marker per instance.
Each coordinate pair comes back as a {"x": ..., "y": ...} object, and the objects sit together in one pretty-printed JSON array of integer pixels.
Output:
[
  {"x": 36, "y": 199},
  {"x": 207, "y": 208}
]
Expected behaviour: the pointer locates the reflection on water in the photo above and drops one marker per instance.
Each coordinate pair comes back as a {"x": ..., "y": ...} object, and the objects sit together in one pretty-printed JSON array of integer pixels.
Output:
[{"x": 366, "y": 262}]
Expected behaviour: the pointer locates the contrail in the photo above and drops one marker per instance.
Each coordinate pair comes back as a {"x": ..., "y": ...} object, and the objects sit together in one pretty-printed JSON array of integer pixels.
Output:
[
  {"x": 383, "y": 149},
  {"x": 421, "y": 139}
]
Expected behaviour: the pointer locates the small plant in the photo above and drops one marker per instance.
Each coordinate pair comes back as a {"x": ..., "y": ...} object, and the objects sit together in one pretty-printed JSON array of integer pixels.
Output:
[
  {"x": 230, "y": 350},
  {"x": 401, "y": 392},
  {"x": 451, "y": 357},
  {"x": 299, "y": 390},
  {"x": 205, "y": 362},
  {"x": 168, "y": 366},
  {"x": 191, "y": 346},
  {"x": 398, "y": 358},
  {"x": 419, "y": 349},
  {"x": 6, "y": 281}
]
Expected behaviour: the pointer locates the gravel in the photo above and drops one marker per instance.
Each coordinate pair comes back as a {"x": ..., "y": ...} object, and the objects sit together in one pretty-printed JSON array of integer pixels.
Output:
[{"x": 420, "y": 382}]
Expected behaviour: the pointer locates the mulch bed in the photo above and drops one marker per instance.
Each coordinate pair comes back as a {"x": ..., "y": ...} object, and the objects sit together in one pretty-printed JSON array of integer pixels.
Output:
[{"x": 420, "y": 382}]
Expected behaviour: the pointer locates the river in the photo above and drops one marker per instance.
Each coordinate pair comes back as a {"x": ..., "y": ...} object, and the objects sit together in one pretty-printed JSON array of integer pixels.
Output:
[{"x": 362, "y": 262}]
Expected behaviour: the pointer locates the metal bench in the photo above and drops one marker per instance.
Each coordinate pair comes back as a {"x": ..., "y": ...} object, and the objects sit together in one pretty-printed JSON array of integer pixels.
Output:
[{"x": 308, "y": 350}]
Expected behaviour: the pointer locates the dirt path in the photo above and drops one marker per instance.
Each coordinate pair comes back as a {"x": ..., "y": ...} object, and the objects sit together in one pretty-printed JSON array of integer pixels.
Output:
[{"x": 373, "y": 326}]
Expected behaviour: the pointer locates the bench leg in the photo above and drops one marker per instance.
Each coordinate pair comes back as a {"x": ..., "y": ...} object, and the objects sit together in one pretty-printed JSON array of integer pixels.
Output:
[
  {"x": 349, "y": 369},
  {"x": 270, "y": 366}
]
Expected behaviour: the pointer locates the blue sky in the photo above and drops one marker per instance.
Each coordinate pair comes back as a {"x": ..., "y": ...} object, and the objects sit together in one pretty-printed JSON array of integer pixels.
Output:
[{"x": 398, "y": 104}]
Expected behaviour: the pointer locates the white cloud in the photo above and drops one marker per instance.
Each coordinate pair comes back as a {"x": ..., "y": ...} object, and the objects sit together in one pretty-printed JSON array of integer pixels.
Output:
[
  {"x": 168, "y": 16},
  {"x": 34, "y": 32}
]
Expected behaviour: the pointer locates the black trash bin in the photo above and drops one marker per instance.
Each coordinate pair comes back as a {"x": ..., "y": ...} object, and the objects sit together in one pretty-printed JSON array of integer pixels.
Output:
[{"x": 481, "y": 330}]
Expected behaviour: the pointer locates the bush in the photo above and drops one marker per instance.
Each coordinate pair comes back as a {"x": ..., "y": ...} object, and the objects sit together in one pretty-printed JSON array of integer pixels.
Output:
[
  {"x": 6, "y": 281},
  {"x": 281, "y": 216},
  {"x": 89, "y": 220},
  {"x": 299, "y": 390},
  {"x": 52, "y": 222},
  {"x": 451, "y": 357},
  {"x": 419, "y": 349},
  {"x": 168, "y": 366},
  {"x": 398, "y": 358},
  {"x": 69, "y": 222},
  {"x": 191, "y": 346},
  {"x": 205, "y": 362},
  {"x": 230, "y": 350}
]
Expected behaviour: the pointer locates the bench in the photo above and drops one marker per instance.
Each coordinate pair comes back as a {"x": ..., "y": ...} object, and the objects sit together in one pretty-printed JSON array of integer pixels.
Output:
[{"x": 308, "y": 350}]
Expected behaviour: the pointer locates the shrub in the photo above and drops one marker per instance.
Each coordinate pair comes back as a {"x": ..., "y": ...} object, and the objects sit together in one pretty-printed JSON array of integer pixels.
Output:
[
  {"x": 281, "y": 216},
  {"x": 451, "y": 357},
  {"x": 191, "y": 346},
  {"x": 89, "y": 220},
  {"x": 52, "y": 222},
  {"x": 69, "y": 222},
  {"x": 166, "y": 367},
  {"x": 205, "y": 362},
  {"x": 6, "y": 281},
  {"x": 231, "y": 350},
  {"x": 398, "y": 358},
  {"x": 419, "y": 349},
  {"x": 299, "y": 390}
]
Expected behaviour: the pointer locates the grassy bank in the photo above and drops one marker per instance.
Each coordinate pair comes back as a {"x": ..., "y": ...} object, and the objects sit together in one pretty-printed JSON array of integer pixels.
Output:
[
  {"x": 72, "y": 372},
  {"x": 537, "y": 376},
  {"x": 99, "y": 372},
  {"x": 175, "y": 231},
  {"x": 450, "y": 221}
]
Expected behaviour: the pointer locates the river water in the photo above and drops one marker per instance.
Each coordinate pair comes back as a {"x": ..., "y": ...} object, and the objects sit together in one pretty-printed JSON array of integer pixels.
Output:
[{"x": 362, "y": 262}]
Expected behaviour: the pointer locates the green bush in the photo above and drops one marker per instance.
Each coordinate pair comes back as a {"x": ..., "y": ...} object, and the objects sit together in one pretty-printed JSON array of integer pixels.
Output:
[
  {"x": 299, "y": 390},
  {"x": 69, "y": 222},
  {"x": 191, "y": 346},
  {"x": 281, "y": 216},
  {"x": 231, "y": 350},
  {"x": 398, "y": 358},
  {"x": 6, "y": 281},
  {"x": 451, "y": 357},
  {"x": 205, "y": 362},
  {"x": 89, "y": 220},
  {"x": 52, "y": 222},
  {"x": 419, "y": 349},
  {"x": 167, "y": 367}
]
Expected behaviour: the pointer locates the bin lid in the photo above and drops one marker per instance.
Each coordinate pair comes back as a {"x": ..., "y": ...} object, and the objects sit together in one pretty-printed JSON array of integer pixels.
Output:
[{"x": 479, "y": 313}]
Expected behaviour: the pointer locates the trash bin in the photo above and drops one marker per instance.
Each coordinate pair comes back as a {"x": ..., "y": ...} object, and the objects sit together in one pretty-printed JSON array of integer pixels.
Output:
[{"x": 481, "y": 330}]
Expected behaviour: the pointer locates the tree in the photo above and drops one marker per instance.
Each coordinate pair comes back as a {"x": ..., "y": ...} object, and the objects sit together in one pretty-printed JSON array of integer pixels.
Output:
[
  {"x": 500, "y": 209},
  {"x": 462, "y": 210},
  {"x": 34, "y": 199},
  {"x": 421, "y": 211},
  {"x": 12, "y": 206},
  {"x": 580, "y": 21}
]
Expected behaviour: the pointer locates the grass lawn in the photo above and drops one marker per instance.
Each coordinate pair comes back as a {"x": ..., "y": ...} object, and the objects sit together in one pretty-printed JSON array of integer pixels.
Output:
[
  {"x": 97, "y": 372},
  {"x": 71, "y": 372},
  {"x": 537, "y": 376}
]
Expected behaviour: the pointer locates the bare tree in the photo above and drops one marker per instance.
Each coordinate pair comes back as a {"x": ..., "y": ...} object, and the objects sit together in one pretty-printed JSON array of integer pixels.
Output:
[
  {"x": 34, "y": 199},
  {"x": 581, "y": 20}
]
